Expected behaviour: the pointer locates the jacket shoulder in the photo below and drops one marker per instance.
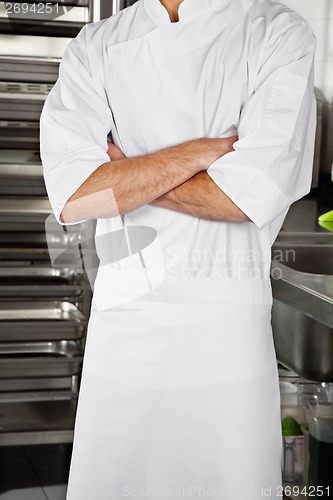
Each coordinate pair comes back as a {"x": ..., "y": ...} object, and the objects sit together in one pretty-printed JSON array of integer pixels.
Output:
[{"x": 276, "y": 15}]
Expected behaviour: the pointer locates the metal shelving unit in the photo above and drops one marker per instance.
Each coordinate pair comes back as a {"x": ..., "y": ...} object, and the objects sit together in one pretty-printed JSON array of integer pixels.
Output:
[{"x": 43, "y": 307}]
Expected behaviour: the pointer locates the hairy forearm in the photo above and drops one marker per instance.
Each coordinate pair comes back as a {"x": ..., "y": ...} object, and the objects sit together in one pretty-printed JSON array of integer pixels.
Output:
[
  {"x": 120, "y": 186},
  {"x": 124, "y": 184},
  {"x": 201, "y": 197}
]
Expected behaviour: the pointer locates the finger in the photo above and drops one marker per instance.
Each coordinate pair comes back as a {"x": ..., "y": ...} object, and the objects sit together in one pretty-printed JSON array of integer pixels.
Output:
[{"x": 114, "y": 152}]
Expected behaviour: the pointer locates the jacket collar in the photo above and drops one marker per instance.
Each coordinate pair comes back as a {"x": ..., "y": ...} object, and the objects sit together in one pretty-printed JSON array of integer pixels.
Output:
[{"x": 187, "y": 9}]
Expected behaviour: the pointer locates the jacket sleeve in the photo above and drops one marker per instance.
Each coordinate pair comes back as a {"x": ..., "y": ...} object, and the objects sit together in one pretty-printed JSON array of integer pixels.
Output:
[
  {"x": 74, "y": 124},
  {"x": 271, "y": 166}
]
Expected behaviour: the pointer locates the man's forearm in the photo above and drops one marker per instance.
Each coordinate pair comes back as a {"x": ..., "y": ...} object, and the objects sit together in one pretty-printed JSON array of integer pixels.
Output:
[
  {"x": 123, "y": 185},
  {"x": 201, "y": 197}
]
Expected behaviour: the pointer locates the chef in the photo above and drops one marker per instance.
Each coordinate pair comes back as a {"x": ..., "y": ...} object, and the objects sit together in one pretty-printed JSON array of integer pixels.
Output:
[{"x": 210, "y": 108}]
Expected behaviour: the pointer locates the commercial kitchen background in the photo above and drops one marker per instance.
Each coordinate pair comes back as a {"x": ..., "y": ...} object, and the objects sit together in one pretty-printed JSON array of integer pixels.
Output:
[{"x": 39, "y": 471}]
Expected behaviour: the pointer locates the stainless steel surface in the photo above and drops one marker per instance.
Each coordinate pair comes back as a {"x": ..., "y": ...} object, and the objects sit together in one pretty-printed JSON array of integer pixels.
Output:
[
  {"x": 22, "y": 207},
  {"x": 41, "y": 320},
  {"x": 45, "y": 11},
  {"x": 19, "y": 157},
  {"x": 118, "y": 5},
  {"x": 302, "y": 272},
  {"x": 296, "y": 267},
  {"x": 37, "y": 422},
  {"x": 27, "y": 108},
  {"x": 307, "y": 258},
  {"x": 63, "y": 2},
  {"x": 50, "y": 28},
  {"x": 39, "y": 395},
  {"x": 19, "y": 134},
  {"x": 27, "y": 238},
  {"x": 32, "y": 281},
  {"x": 38, "y": 91},
  {"x": 302, "y": 220},
  {"x": 24, "y": 213},
  {"x": 36, "y": 384},
  {"x": 29, "y": 69},
  {"x": 21, "y": 173},
  {"x": 21, "y": 180},
  {"x": 303, "y": 344},
  {"x": 44, "y": 19},
  {"x": 36, "y": 359},
  {"x": 41, "y": 47},
  {"x": 21, "y": 248},
  {"x": 40, "y": 341}
]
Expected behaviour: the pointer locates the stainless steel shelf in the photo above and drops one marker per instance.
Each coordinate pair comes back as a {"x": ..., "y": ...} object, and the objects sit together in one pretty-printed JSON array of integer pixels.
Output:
[
  {"x": 32, "y": 27},
  {"x": 29, "y": 69},
  {"x": 38, "y": 321},
  {"x": 38, "y": 359},
  {"x": 19, "y": 134},
  {"x": 43, "y": 282},
  {"x": 42, "y": 326},
  {"x": 38, "y": 422},
  {"x": 21, "y": 174}
]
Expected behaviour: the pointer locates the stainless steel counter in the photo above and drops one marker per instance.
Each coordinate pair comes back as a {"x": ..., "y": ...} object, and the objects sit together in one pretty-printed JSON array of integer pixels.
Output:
[
  {"x": 302, "y": 219},
  {"x": 302, "y": 282}
]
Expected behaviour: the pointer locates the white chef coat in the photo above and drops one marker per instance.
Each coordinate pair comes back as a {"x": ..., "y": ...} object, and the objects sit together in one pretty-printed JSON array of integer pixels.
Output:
[{"x": 179, "y": 386}]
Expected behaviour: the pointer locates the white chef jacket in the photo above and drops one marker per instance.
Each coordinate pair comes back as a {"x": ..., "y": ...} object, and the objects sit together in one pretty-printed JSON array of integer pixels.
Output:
[
  {"x": 227, "y": 67},
  {"x": 179, "y": 393}
]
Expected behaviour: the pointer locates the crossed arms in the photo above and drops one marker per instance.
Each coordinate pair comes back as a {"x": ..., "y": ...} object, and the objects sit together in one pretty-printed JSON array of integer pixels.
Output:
[{"x": 173, "y": 178}]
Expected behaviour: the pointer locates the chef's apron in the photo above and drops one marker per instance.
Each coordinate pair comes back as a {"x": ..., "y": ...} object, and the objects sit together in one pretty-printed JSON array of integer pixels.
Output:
[
  {"x": 179, "y": 398},
  {"x": 179, "y": 395}
]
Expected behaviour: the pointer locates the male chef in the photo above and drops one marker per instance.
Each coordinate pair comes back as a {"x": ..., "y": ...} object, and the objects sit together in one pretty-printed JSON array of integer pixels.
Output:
[{"x": 211, "y": 112}]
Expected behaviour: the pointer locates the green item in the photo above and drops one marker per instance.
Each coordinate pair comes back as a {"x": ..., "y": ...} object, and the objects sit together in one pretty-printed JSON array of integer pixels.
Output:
[
  {"x": 290, "y": 427},
  {"x": 327, "y": 217},
  {"x": 326, "y": 225}
]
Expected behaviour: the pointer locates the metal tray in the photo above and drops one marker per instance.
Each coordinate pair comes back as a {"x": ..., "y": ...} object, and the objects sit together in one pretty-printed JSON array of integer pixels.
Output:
[
  {"x": 32, "y": 281},
  {"x": 25, "y": 107},
  {"x": 38, "y": 422},
  {"x": 60, "y": 28},
  {"x": 24, "y": 90},
  {"x": 22, "y": 207},
  {"x": 33, "y": 386},
  {"x": 40, "y": 359},
  {"x": 24, "y": 213},
  {"x": 23, "y": 248},
  {"x": 31, "y": 320},
  {"x": 19, "y": 134},
  {"x": 19, "y": 157},
  {"x": 21, "y": 180},
  {"x": 21, "y": 173},
  {"x": 29, "y": 69}
]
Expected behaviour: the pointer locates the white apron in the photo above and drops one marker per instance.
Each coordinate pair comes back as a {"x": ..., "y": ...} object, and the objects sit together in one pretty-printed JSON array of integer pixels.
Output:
[
  {"x": 179, "y": 395},
  {"x": 178, "y": 400}
]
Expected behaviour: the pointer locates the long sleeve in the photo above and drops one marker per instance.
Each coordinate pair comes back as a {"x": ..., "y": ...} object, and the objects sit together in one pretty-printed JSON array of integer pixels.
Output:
[
  {"x": 74, "y": 124},
  {"x": 271, "y": 166}
]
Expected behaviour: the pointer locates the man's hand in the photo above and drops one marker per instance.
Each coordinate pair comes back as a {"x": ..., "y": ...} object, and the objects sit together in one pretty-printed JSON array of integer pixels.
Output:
[{"x": 114, "y": 152}]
